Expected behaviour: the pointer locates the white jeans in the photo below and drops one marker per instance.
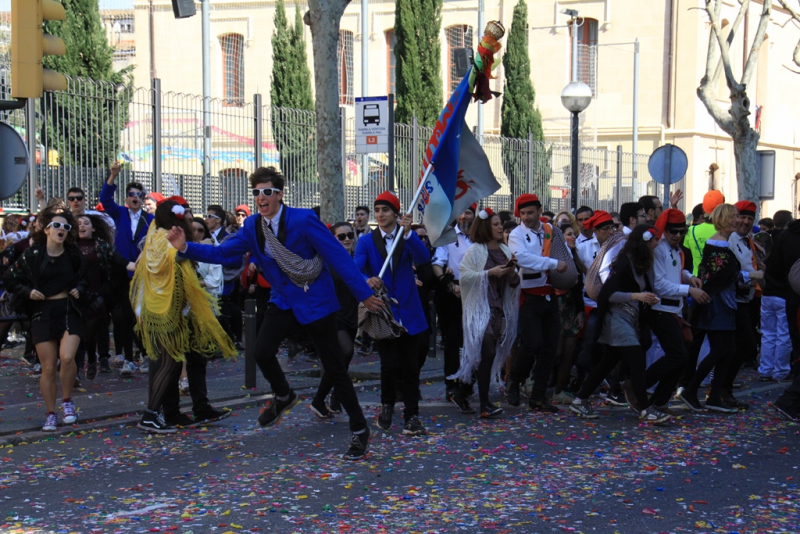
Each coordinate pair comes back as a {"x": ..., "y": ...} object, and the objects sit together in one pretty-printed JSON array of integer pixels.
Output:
[{"x": 776, "y": 346}]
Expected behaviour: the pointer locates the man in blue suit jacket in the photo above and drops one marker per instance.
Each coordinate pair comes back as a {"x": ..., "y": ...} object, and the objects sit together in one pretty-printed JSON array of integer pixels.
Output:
[
  {"x": 132, "y": 223},
  {"x": 401, "y": 284},
  {"x": 312, "y": 304}
]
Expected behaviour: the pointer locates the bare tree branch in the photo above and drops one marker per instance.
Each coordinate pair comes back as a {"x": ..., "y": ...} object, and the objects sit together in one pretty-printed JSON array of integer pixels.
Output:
[
  {"x": 723, "y": 47},
  {"x": 744, "y": 5},
  {"x": 752, "y": 58},
  {"x": 796, "y": 17},
  {"x": 711, "y": 58}
]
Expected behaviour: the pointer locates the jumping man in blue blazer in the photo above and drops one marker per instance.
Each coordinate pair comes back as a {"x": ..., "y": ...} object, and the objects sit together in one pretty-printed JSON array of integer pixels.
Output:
[
  {"x": 401, "y": 285},
  {"x": 294, "y": 250}
]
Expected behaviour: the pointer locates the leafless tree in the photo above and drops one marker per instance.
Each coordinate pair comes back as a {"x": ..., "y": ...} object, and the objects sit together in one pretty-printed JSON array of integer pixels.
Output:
[
  {"x": 796, "y": 16},
  {"x": 734, "y": 121},
  {"x": 323, "y": 17}
]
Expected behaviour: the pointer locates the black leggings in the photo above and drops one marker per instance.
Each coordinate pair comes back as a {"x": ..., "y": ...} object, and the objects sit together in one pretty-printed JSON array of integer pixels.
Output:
[
  {"x": 346, "y": 337},
  {"x": 635, "y": 357},
  {"x": 723, "y": 350},
  {"x": 484, "y": 371},
  {"x": 164, "y": 376}
]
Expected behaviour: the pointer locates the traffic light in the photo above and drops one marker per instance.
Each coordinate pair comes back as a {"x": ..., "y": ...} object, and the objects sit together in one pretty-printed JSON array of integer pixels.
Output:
[{"x": 29, "y": 44}]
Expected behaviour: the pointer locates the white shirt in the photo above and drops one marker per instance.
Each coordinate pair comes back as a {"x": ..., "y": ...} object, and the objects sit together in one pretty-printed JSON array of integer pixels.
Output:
[
  {"x": 275, "y": 222},
  {"x": 212, "y": 276},
  {"x": 581, "y": 238},
  {"x": 738, "y": 245},
  {"x": 670, "y": 280},
  {"x": 611, "y": 255},
  {"x": 214, "y": 235},
  {"x": 526, "y": 244},
  {"x": 450, "y": 255},
  {"x": 134, "y": 221},
  {"x": 587, "y": 251}
]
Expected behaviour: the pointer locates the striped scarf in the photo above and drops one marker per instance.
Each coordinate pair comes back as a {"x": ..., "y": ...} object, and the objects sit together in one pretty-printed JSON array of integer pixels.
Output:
[{"x": 299, "y": 270}]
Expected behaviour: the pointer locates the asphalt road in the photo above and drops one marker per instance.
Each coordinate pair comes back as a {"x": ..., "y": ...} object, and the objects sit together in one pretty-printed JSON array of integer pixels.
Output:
[{"x": 524, "y": 472}]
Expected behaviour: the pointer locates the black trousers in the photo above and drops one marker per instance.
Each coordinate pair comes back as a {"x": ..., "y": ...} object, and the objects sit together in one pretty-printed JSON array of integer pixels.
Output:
[
  {"x": 400, "y": 355},
  {"x": 791, "y": 395},
  {"x": 124, "y": 319},
  {"x": 746, "y": 344},
  {"x": 668, "y": 369},
  {"x": 540, "y": 328},
  {"x": 346, "y": 337},
  {"x": 449, "y": 308},
  {"x": 262, "y": 301},
  {"x": 633, "y": 356},
  {"x": 723, "y": 348},
  {"x": 196, "y": 373},
  {"x": 278, "y": 324}
]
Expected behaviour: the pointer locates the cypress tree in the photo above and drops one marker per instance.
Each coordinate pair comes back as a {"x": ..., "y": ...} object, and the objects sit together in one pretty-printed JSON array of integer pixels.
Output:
[
  {"x": 291, "y": 91},
  {"x": 519, "y": 116},
  {"x": 84, "y": 123}
]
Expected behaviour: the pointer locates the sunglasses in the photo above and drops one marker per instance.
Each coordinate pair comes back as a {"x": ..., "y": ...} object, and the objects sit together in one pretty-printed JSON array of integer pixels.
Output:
[
  {"x": 267, "y": 191},
  {"x": 241, "y": 214},
  {"x": 211, "y": 216},
  {"x": 677, "y": 231},
  {"x": 79, "y": 198},
  {"x": 132, "y": 194},
  {"x": 57, "y": 225},
  {"x": 343, "y": 236}
]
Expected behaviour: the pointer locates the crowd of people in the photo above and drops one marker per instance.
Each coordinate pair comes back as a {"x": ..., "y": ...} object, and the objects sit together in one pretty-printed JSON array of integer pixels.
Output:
[{"x": 640, "y": 308}]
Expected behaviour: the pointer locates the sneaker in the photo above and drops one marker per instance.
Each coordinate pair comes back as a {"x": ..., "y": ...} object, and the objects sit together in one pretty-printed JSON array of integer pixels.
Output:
[
  {"x": 413, "y": 427},
  {"x": 359, "y": 446},
  {"x": 448, "y": 396},
  {"x": 733, "y": 402},
  {"x": 154, "y": 422},
  {"x": 512, "y": 393},
  {"x": 541, "y": 405},
  {"x": 385, "y": 417},
  {"x": 70, "y": 413},
  {"x": 212, "y": 415},
  {"x": 144, "y": 366},
  {"x": 183, "y": 385},
  {"x": 91, "y": 371},
  {"x": 462, "y": 403},
  {"x": 617, "y": 398},
  {"x": 128, "y": 368},
  {"x": 37, "y": 369},
  {"x": 104, "y": 367},
  {"x": 489, "y": 411},
  {"x": 118, "y": 361},
  {"x": 716, "y": 404},
  {"x": 320, "y": 410},
  {"x": 787, "y": 411},
  {"x": 583, "y": 408},
  {"x": 664, "y": 408},
  {"x": 689, "y": 400},
  {"x": 562, "y": 397},
  {"x": 50, "y": 423},
  {"x": 653, "y": 415},
  {"x": 765, "y": 379},
  {"x": 78, "y": 383},
  {"x": 180, "y": 421},
  {"x": 272, "y": 414},
  {"x": 335, "y": 405}
]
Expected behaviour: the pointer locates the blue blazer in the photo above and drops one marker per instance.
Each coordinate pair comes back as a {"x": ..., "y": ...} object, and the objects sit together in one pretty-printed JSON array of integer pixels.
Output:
[
  {"x": 126, "y": 243},
  {"x": 398, "y": 279},
  {"x": 302, "y": 232}
]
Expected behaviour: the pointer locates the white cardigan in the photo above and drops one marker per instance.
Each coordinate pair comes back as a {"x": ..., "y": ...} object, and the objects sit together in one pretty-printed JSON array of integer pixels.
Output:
[{"x": 476, "y": 314}]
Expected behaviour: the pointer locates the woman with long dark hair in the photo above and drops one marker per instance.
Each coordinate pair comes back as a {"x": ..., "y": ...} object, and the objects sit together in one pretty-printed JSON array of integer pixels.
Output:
[
  {"x": 622, "y": 304},
  {"x": 95, "y": 243},
  {"x": 490, "y": 294},
  {"x": 174, "y": 315},
  {"x": 51, "y": 274},
  {"x": 346, "y": 326}
]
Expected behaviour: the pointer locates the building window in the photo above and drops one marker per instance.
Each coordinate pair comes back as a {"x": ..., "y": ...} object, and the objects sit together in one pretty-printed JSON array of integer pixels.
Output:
[
  {"x": 345, "y": 64},
  {"x": 391, "y": 61},
  {"x": 232, "y": 69},
  {"x": 587, "y": 51},
  {"x": 459, "y": 36}
]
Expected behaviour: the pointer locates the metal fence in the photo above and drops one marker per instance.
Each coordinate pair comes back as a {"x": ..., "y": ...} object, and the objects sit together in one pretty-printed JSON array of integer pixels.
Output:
[{"x": 204, "y": 151}]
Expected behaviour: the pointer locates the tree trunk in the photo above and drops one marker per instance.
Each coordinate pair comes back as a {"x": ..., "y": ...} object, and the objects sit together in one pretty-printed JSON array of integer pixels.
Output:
[
  {"x": 745, "y": 142},
  {"x": 323, "y": 17}
]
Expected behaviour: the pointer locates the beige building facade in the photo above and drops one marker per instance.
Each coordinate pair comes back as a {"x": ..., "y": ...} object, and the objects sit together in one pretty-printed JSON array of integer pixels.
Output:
[{"x": 673, "y": 42}]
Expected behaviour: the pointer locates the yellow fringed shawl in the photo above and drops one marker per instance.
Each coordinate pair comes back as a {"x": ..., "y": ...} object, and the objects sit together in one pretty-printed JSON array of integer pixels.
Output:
[{"x": 172, "y": 311}]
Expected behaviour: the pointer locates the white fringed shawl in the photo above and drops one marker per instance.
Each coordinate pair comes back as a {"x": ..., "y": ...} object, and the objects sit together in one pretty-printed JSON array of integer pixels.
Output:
[{"x": 476, "y": 314}]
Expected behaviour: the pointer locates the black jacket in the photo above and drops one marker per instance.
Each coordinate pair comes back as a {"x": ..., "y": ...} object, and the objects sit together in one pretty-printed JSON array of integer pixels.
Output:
[
  {"x": 785, "y": 252},
  {"x": 23, "y": 276}
]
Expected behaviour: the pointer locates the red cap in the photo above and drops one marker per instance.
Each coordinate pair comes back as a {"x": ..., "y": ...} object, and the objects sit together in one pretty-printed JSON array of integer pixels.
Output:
[
  {"x": 158, "y": 197},
  {"x": 99, "y": 207},
  {"x": 388, "y": 199},
  {"x": 599, "y": 219},
  {"x": 474, "y": 207},
  {"x": 179, "y": 200},
  {"x": 746, "y": 207},
  {"x": 712, "y": 199},
  {"x": 243, "y": 207},
  {"x": 670, "y": 217},
  {"x": 523, "y": 201}
]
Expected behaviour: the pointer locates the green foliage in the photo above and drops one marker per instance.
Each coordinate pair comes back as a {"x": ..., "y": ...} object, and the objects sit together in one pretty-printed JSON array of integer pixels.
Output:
[
  {"x": 290, "y": 91},
  {"x": 84, "y": 124},
  {"x": 417, "y": 25},
  {"x": 519, "y": 116}
]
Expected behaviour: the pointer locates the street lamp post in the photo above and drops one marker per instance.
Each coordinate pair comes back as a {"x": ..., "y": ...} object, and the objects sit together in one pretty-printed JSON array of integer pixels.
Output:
[{"x": 576, "y": 97}]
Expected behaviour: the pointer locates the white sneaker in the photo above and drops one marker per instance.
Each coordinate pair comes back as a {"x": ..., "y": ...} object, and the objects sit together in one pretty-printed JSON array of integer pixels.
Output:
[
  {"x": 144, "y": 367},
  {"x": 118, "y": 360},
  {"x": 128, "y": 368},
  {"x": 184, "y": 385}
]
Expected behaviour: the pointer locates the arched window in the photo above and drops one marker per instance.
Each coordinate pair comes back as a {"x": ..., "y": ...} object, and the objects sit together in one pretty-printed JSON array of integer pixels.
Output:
[
  {"x": 587, "y": 51},
  {"x": 345, "y": 64},
  {"x": 232, "y": 46},
  {"x": 458, "y": 36},
  {"x": 391, "y": 61}
]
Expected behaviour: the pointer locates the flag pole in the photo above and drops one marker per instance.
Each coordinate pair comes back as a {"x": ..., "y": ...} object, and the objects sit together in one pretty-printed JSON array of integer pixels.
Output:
[{"x": 410, "y": 209}]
